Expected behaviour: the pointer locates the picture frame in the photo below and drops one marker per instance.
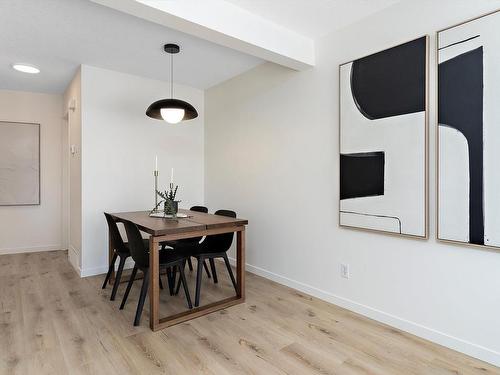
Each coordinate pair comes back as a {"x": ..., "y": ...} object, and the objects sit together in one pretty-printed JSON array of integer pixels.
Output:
[
  {"x": 473, "y": 223},
  {"x": 394, "y": 225},
  {"x": 20, "y": 164}
]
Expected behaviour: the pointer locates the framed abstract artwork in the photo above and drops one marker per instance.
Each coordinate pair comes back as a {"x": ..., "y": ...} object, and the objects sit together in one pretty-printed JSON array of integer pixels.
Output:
[
  {"x": 468, "y": 146},
  {"x": 19, "y": 164},
  {"x": 383, "y": 140}
]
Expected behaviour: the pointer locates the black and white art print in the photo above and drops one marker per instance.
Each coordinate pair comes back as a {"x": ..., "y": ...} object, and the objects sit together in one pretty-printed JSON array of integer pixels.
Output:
[
  {"x": 469, "y": 132},
  {"x": 383, "y": 140}
]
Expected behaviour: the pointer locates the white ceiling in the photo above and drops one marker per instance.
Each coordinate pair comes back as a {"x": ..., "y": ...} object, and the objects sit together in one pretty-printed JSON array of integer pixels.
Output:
[
  {"x": 59, "y": 35},
  {"x": 313, "y": 18}
]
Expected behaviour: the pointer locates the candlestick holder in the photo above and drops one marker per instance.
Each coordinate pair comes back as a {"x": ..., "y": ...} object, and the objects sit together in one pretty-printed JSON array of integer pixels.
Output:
[{"x": 156, "y": 209}]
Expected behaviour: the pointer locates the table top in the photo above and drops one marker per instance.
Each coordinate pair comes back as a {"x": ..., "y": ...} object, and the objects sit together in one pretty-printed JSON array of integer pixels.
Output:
[{"x": 196, "y": 221}]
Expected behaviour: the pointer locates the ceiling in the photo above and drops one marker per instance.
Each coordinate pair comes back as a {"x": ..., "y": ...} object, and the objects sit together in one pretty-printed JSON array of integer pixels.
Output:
[
  {"x": 59, "y": 35},
  {"x": 313, "y": 18}
]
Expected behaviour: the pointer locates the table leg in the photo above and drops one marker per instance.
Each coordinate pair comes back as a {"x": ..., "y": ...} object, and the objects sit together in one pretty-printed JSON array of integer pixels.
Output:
[
  {"x": 157, "y": 323},
  {"x": 240, "y": 263},
  {"x": 154, "y": 285}
]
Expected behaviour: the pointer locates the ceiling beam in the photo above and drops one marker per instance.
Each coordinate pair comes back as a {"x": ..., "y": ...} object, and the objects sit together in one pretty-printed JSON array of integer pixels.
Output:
[{"x": 225, "y": 24}]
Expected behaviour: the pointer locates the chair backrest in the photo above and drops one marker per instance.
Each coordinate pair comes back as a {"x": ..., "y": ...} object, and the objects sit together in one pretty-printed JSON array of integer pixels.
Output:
[
  {"x": 199, "y": 209},
  {"x": 195, "y": 240},
  {"x": 136, "y": 246},
  {"x": 114, "y": 235},
  {"x": 218, "y": 243}
]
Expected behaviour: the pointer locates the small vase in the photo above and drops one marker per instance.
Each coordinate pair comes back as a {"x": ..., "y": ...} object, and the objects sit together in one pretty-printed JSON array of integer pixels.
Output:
[{"x": 171, "y": 207}]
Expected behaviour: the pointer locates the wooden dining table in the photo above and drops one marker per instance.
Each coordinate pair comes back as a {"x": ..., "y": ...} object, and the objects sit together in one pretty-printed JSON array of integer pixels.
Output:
[{"x": 196, "y": 224}]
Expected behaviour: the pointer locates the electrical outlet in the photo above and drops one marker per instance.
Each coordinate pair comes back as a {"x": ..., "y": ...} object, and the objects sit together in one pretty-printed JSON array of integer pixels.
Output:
[{"x": 344, "y": 270}]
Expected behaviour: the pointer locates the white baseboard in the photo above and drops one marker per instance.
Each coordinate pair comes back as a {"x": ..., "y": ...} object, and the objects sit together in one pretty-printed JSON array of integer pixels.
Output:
[
  {"x": 455, "y": 343},
  {"x": 35, "y": 249},
  {"x": 93, "y": 271}
]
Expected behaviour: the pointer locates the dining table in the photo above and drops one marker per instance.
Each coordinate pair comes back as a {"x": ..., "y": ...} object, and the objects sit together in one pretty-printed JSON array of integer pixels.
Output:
[{"x": 192, "y": 224}]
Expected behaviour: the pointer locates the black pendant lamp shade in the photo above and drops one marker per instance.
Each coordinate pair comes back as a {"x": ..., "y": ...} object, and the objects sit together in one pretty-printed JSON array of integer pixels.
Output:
[
  {"x": 154, "y": 110},
  {"x": 171, "y": 105}
]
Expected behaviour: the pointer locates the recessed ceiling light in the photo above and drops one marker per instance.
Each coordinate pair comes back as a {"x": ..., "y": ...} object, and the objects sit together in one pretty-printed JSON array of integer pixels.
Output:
[{"x": 25, "y": 68}]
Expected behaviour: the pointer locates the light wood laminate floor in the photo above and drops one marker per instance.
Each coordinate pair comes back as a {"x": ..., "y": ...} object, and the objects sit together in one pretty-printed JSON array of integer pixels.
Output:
[{"x": 53, "y": 322}]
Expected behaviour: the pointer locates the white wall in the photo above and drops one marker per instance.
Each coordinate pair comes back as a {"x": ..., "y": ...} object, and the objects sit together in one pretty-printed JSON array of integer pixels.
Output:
[
  {"x": 72, "y": 171},
  {"x": 272, "y": 155},
  {"x": 35, "y": 228},
  {"x": 119, "y": 144}
]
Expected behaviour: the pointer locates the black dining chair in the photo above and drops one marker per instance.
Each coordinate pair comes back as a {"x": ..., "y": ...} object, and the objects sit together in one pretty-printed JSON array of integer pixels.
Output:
[
  {"x": 214, "y": 246},
  {"x": 121, "y": 250},
  {"x": 140, "y": 254},
  {"x": 186, "y": 245}
]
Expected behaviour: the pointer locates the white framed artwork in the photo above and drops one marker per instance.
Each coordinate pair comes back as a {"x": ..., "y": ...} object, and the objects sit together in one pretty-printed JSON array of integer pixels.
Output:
[{"x": 19, "y": 164}]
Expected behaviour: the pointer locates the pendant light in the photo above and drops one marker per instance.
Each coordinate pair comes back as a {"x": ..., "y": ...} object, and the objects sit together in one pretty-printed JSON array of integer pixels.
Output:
[{"x": 171, "y": 110}]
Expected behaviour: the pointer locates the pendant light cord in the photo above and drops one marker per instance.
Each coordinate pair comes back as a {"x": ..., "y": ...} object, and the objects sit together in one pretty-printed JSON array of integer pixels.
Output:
[{"x": 171, "y": 76}]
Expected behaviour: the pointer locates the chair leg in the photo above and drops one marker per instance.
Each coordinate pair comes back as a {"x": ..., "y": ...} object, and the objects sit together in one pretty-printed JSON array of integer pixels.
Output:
[
  {"x": 118, "y": 278},
  {"x": 142, "y": 298},
  {"x": 230, "y": 271},
  {"x": 161, "y": 282},
  {"x": 110, "y": 270},
  {"x": 178, "y": 287},
  {"x": 174, "y": 277},
  {"x": 184, "y": 284},
  {"x": 190, "y": 264},
  {"x": 199, "y": 275},
  {"x": 206, "y": 269},
  {"x": 179, "y": 282},
  {"x": 129, "y": 286},
  {"x": 214, "y": 271},
  {"x": 171, "y": 283}
]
